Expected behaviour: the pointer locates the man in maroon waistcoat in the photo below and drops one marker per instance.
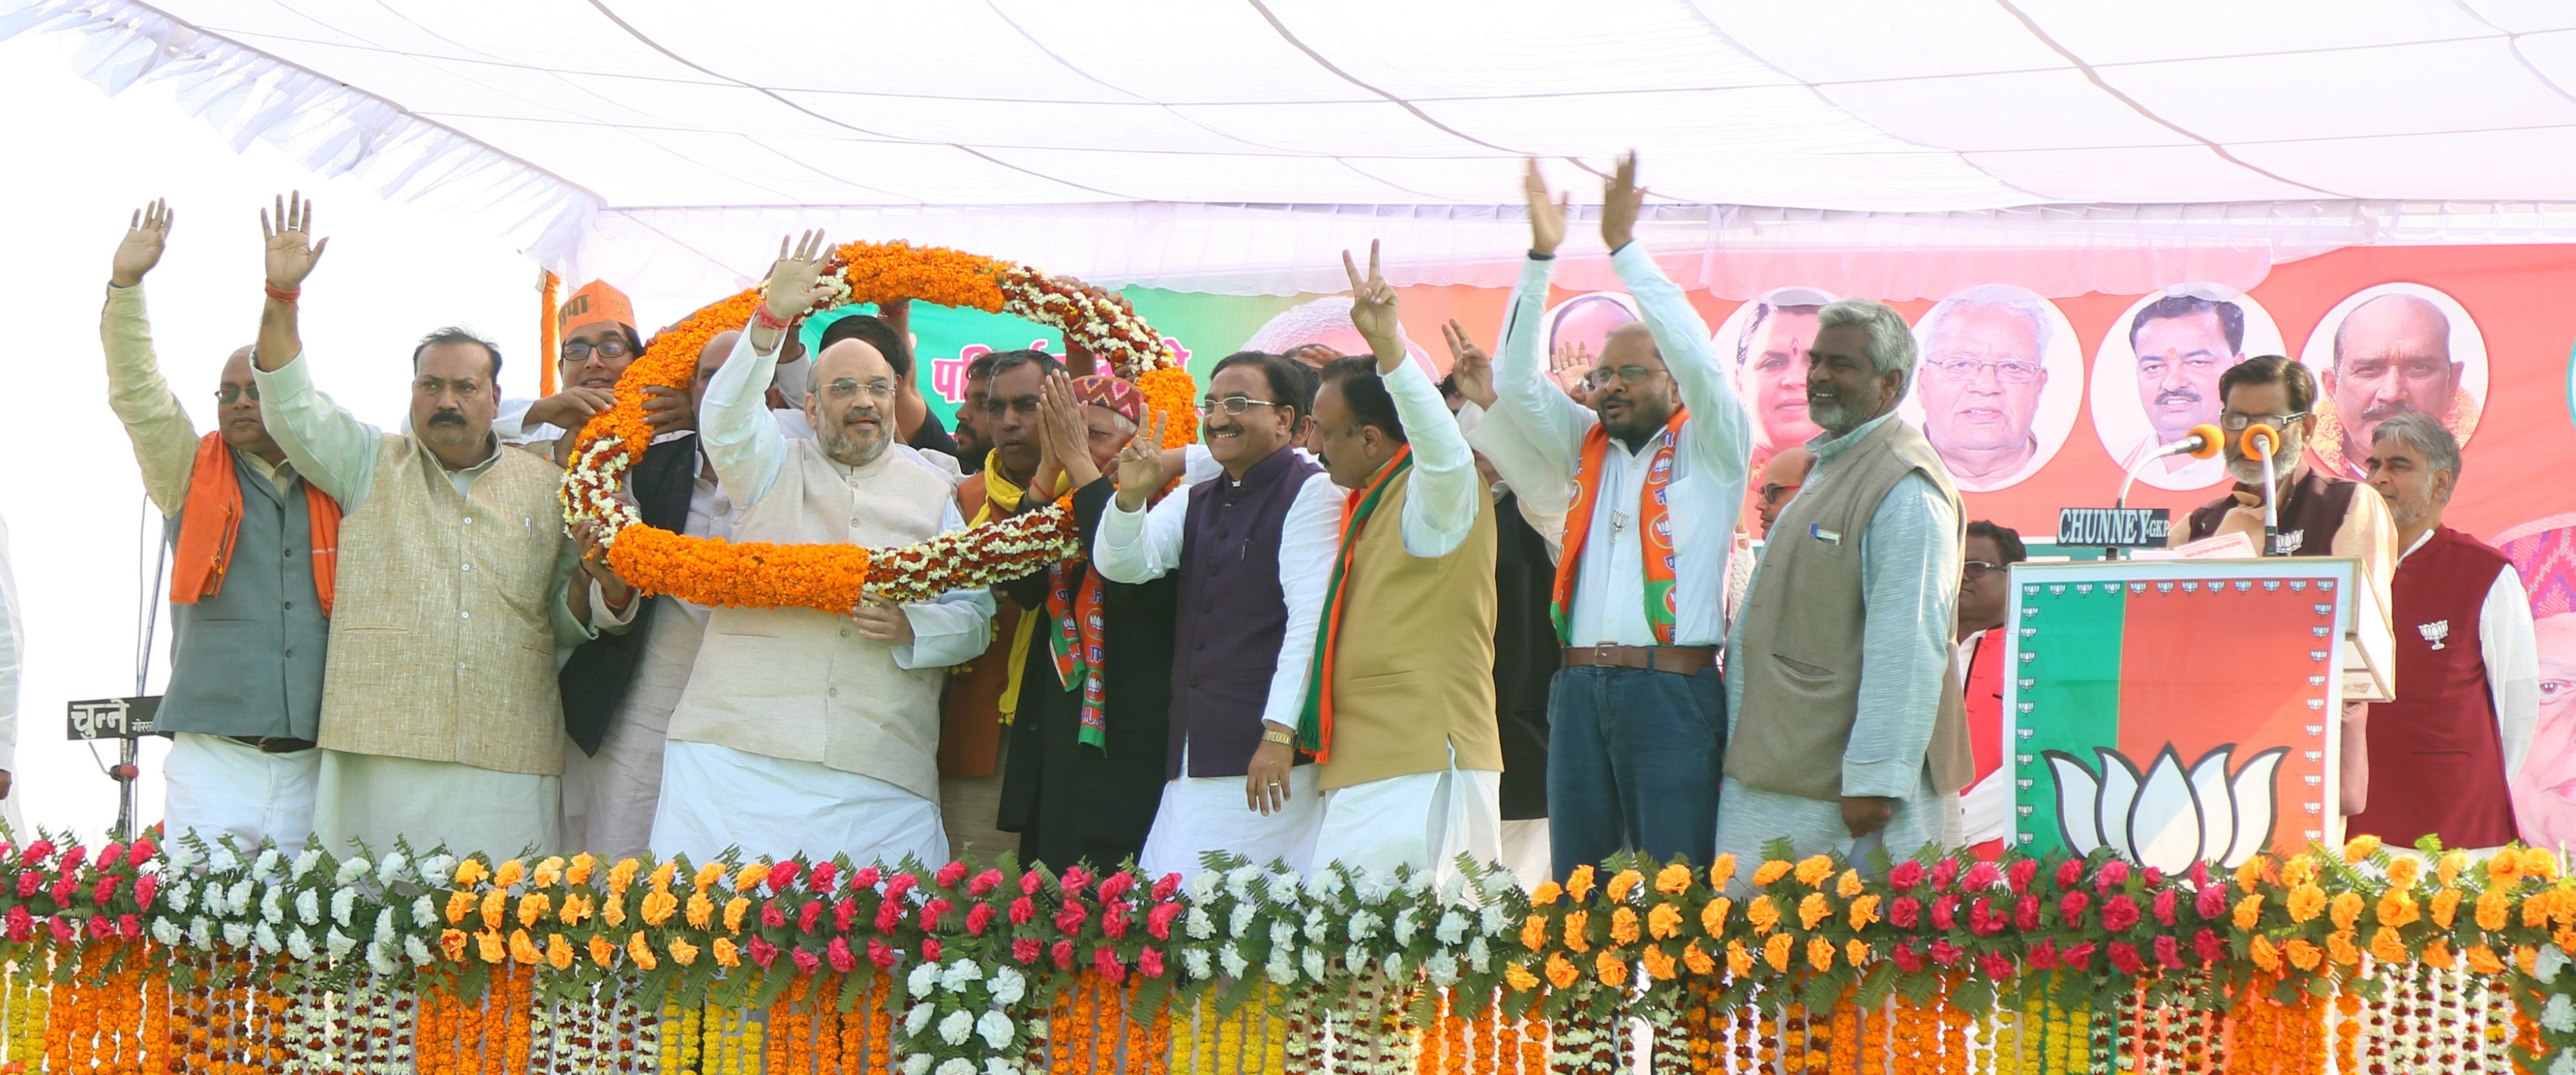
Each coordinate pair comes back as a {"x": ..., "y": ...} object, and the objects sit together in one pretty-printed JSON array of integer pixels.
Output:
[
  {"x": 2319, "y": 514},
  {"x": 2466, "y": 657}
]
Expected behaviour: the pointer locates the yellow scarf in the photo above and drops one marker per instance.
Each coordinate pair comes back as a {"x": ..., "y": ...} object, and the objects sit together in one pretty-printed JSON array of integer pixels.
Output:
[{"x": 1001, "y": 499}]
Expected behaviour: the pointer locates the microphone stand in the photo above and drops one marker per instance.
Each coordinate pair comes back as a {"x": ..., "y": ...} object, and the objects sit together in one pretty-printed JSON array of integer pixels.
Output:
[{"x": 2264, "y": 437}]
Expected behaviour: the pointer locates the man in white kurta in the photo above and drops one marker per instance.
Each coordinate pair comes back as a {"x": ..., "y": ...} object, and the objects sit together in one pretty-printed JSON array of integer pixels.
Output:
[{"x": 803, "y": 730}]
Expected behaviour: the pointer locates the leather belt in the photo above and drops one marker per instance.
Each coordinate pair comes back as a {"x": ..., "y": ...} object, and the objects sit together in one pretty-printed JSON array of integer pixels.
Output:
[
  {"x": 1679, "y": 660},
  {"x": 272, "y": 744}
]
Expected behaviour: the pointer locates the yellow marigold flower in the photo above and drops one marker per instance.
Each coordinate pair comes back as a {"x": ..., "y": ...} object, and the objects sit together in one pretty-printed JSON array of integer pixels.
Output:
[
  {"x": 1864, "y": 911},
  {"x": 1534, "y": 932},
  {"x": 1579, "y": 882},
  {"x": 452, "y": 943},
  {"x": 735, "y": 908},
  {"x": 2504, "y": 867},
  {"x": 1769, "y": 872},
  {"x": 2345, "y": 909},
  {"x": 576, "y": 906},
  {"x": 2387, "y": 947},
  {"x": 1820, "y": 954},
  {"x": 726, "y": 954},
  {"x": 602, "y": 950},
  {"x": 658, "y": 906},
  {"x": 1777, "y": 950},
  {"x": 1658, "y": 965},
  {"x": 549, "y": 871},
  {"x": 2404, "y": 871},
  {"x": 682, "y": 952},
  {"x": 496, "y": 904},
  {"x": 1712, "y": 918},
  {"x": 1699, "y": 962},
  {"x": 641, "y": 952},
  {"x": 2446, "y": 904},
  {"x": 532, "y": 907},
  {"x": 1623, "y": 925},
  {"x": 2339, "y": 946},
  {"x": 2437, "y": 955},
  {"x": 2249, "y": 911},
  {"x": 2482, "y": 960},
  {"x": 1812, "y": 909},
  {"x": 1545, "y": 894},
  {"x": 1624, "y": 882},
  {"x": 1856, "y": 952},
  {"x": 751, "y": 877},
  {"x": 2540, "y": 863},
  {"x": 1673, "y": 879},
  {"x": 2447, "y": 870},
  {"x": 2303, "y": 955},
  {"x": 490, "y": 945},
  {"x": 558, "y": 954},
  {"x": 1849, "y": 885},
  {"x": 510, "y": 873},
  {"x": 2299, "y": 870},
  {"x": 470, "y": 872},
  {"x": 1576, "y": 922},
  {"x": 1813, "y": 869},
  {"x": 709, "y": 874},
  {"x": 1664, "y": 922},
  {"x": 524, "y": 948},
  {"x": 1739, "y": 961},
  {"x": 579, "y": 870},
  {"x": 2359, "y": 848},
  {"x": 1561, "y": 971},
  {"x": 2306, "y": 902},
  {"x": 1612, "y": 971},
  {"x": 1520, "y": 979},
  {"x": 1762, "y": 913},
  {"x": 460, "y": 904},
  {"x": 2493, "y": 908},
  {"x": 1721, "y": 871},
  {"x": 702, "y": 911}
]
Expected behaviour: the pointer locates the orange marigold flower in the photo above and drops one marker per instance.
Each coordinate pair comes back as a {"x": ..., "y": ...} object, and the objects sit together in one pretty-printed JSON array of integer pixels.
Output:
[
  {"x": 2360, "y": 847},
  {"x": 2250, "y": 872},
  {"x": 1762, "y": 914},
  {"x": 622, "y": 874},
  {"x": 2263, "y": 954},
  {"x": 2299, "y": 870},
  {"x": 2306, "y": 902},
  {"x": 1658, "y": 966},
  {"x": 491, "y": 946},
  {"x": 641, "y": 952},
  {"x": 682, "y": 952},
  {"x": 2438, "y": 955},
  {"x": 1623, "y": 925},
  {"x": 523, "y": 948},
  {"x": 558, "y": 954},
  {"x": 1769, "y": 872},
  {"x": 2493, "y": 908},
  {"x": 1579, "y": 882},
  {"x": 702, "y": 911},
  {"x": 735, "y": 908},
  {"x": 613, "y": 912},
  {"x": 708, "y": 875},
  {"x": 1856, "y": 952},
  {"x": 1777, "y": 951},
  {"x": 1534, "y": 932},
  {"x": 2397, "y": 908},
  {"x": 510, "y": 873},
  {"x": 1712, "y": 918},
  {"x": 496, "y": 905},
  {"x": 471, "y": 872},
  {"x": 2540, "y": 862},
  {"x": 549, "y": 870},
  {"x": 1864, "y": 911},
  {"x": 532, "y": 907},
  {"x": 1561, "y": 972},
  {"x": 2303, "y": 955},
  {"x": 1546, "y": 893},
  {"x": 1739, "y": 960},
  {"x": 2447, "y": 870},
  {"x": 578, "y": 871},
  {"x": 1813, "y": 869},
  {"x": 1849, "y": 885},
  {"x": 664, "y": 874},
  {"x": 2249, "y": 911},
  {"x": 2345, "y": 909},
  {"x": 2535, "y": 909},
  {"x": 460, "y": 904},
  {"x": 576, "y": 906},
  {"x": 1820, "y": 954},
  {"x": 1699, "y": 962},
  {"x": 2339, "y": 946},
  {"x": 1576, "y": 922},
  {"x": 2525, "y": 955},
  {"x": 726, "y": 954},
  {"x": 751, "y": 877},
  {"x": 1721, "y": 871},
  {"x": 2404, "y": 871},
  {"x": 2504, "y": 867},
  {"x": 658, "y": 906},
  {"x": 1812, "y": 909},
  {"x": 1613, "y": 972},
  {"x": 1624, "y": 882},
  {"x": 602, "y": 950},
  {"x": 2482, "y": 960},
  {"x": 2387, "y": 947},
  {"x": 1664, "y": 922},
  {"x": 452, "y": 943},
  {"x": 1519, "y": 978},
  {"x": 1673, "y": 879}
]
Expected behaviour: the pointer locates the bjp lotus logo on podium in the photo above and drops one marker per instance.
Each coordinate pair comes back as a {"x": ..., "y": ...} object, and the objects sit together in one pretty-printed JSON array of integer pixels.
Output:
[{"x": 2167, "y": 817}]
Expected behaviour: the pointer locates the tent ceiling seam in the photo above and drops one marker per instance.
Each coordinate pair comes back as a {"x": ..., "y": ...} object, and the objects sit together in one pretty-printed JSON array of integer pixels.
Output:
[{"x": 1292, "y": 39}]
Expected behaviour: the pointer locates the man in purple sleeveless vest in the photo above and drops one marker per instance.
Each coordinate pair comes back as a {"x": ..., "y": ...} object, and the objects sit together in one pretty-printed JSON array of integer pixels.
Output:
[
  {"x": 1253, "y": 548},
  {"x": 2466, "y": 657},
  {"x": 2319, "y": 514}
]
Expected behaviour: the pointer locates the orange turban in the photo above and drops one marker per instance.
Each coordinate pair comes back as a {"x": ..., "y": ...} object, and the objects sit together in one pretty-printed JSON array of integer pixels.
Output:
[{"x": 594, "y": 303}]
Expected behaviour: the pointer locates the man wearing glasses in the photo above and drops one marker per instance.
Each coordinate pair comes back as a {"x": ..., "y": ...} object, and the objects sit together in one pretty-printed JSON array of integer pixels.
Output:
[
  {"x": 1985, "y": 597},
  {"x": 805, "y": 730},
  {"x": 250, "y": 623},
  {"x": 1984, "y": 370},
  {"x": 1638, "y": 716}
]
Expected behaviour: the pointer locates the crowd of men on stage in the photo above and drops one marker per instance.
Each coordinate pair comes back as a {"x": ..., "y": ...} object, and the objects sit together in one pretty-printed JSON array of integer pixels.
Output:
[{"x": 1486, "y": 615}]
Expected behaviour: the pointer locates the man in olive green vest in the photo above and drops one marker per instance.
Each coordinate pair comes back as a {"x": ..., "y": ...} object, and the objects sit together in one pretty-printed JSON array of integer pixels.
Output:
[
  {"x": 1847, "y": 732},
  {"x": 441, "y": 722},
  {"x": 1400, "y": 714}
]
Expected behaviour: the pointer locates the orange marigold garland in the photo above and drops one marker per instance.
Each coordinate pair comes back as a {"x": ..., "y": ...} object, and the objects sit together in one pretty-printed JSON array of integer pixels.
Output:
[{"x": 829, "y": 578}]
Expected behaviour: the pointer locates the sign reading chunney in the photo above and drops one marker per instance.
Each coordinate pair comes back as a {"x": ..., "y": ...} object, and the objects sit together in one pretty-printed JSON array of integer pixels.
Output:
[{"x": 2113, "y": 528}]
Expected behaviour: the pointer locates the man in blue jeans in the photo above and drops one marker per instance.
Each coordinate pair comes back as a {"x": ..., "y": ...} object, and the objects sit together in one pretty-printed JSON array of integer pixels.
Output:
[{"x": 1637, "y": 717}]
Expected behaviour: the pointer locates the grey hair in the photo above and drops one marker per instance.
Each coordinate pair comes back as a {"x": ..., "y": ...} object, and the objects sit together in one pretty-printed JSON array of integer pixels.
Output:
[
  {"x": 2043, "y": 328},
  {"x": 2425, "y": 434},
  {"x": 1891, "y": 344}
]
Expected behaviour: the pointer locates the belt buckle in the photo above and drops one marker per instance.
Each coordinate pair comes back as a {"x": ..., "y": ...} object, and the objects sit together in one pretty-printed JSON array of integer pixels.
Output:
[{"x": 1605, "y": 653}]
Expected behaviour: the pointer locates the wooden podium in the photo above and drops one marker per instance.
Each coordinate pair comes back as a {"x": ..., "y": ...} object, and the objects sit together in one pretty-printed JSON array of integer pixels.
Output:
[{"x": 2185, "y": 710}]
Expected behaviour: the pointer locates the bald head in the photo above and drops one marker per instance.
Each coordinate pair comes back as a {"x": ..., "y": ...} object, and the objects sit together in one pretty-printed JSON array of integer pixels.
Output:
[
  {"x": 852, "y": 405},
  {"x": 2392, "y": 354},
  {"x": 237, "y": 410},
  {"x": 1781, "y": 478},
  {"x": 2397, "y": 320}
]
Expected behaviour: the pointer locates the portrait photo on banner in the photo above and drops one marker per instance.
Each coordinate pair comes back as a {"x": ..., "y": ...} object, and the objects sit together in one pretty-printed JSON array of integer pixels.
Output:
[
  {"x": 1583, "y": 321},
  {"x": 2001, "y": 378},
  {"x": 1764, "y": 343},
  {"x": 2543, "y": 554},
  {"x": 2387, "y": 349},
  {"x": 2156, "y": 375},
  {"x": 1326, "y": 321}
]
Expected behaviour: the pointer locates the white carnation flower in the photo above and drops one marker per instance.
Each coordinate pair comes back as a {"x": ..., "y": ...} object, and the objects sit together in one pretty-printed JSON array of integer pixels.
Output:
[
  {"x": 178, "y": 897},
  {"x": 308, "y": 907},
  {"x": 1231, "y": 958},
  {"x": 1319, "y": 885},
  {"x": 237, "y": 934},
  {"x": 1197, "y": 925},
  {"x": 179, "y": 855},
  {"x": 2559, "y": 1014},
  {"x": 1404, "y": 926},
  {"x": 1355, "y": 958},
  {"x": 265, "y": 864},
  {"x": 1314, "y": 967},
  {"x": 424, "y": 912},
  {"x": 1283, "y": 885},
  {"x": 1317, "y": 925},
  {"x": 338, "y": 945},
  {"x": 956, "y": 1065},
  {"x": 925, "y": 977},
  {"x": 917, "y": 1021},
  {"x": 1203, "y": 886},
  {"x": 271, "y": 910},
  {"x": 917, "y": 1064},
  {"x": 1479, "y": 957},
  {"x": 1492, "y": 922},
  {"x": 1009, "y": 985},
  {"x": 389, "y": 869},
  {"x": 380, "y": 959},
  {"x": 1395, "y": 965},
  {"x": 201, "y": 933},
  {"x": 1239, "y": 920},
  {"x": 1452, "y": 887},
  {"x": 221, "y": 859},
  {"x": 1197, "y": 962},
  {"x": 1442, "y": 967},
  {"x": 1238, "y": 882},
  {"x": 1280, "y": 969},
  {"x": 994, "y": 1065},
  {"x": 350, "y": 871},
  {"x": 1364, "y": 925},
  {"x": 2548, "y": 963},
  {"x": 436, "y": 870},
  {"x": 384, "y": 924},
  {"x": 238, "y": 897},
  {"x": 960, "y": 974},
  {"x": 165, "y": 932},
  {"x": 304, "y": 863},
  {"x": 417, "y": 950},
  {"x": 264, "y": 937},
  {"x": 956, "y": 1027},
  {"x": 995, "y": 1029},
  {"x": 1452, "y": 928},
  {"x": 1282, "y": 935}
]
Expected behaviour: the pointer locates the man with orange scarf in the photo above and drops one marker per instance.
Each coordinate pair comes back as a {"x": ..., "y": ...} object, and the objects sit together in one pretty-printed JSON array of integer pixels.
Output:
[
  {"x": 1400, "y": 701},
  {"x": 251, "y": 579},
  {"x": 1637, "y": 718}
]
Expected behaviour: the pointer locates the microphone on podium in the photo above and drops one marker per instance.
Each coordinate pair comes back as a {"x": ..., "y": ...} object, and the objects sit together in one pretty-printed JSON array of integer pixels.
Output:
[
  {"x": 2202, "y": 442},
  {"x": 2261, "y": 440}
]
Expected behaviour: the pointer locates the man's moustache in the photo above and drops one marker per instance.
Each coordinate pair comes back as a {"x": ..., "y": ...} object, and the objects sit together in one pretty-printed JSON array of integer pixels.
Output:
[
  {"x": 2381, "y": 411},
  {"x": 447, "y": 418},
  {"x": 2179, "y": 395}
]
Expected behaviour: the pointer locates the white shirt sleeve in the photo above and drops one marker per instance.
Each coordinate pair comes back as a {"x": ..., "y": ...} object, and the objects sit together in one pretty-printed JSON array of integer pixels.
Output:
[
  {"x": 1554, "y": 422},
  {"x": 1721, "y": 438},
  {"x": 1542, "y": 487},
  {"x": 952, "y": 629},
  {"x": 2511, "y": 650},
  {"x": 1440, "y": 500},
  {"x": 1141, "y": 546},
  {"x": 1308, "y": 539},
  {"x": 510, "y": 422},
  {"x": 329, "y": 446},
  {"x": 1909, "y": 575},
  {"x": 735, "y": 427}
]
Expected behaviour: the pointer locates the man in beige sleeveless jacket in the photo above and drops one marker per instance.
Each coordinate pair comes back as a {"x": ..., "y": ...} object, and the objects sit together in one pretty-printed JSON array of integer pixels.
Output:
[
  {"x": 803, "y": 730},
  {"x": 441, "y": 723},
  {"x": 1847, "y": 732}
]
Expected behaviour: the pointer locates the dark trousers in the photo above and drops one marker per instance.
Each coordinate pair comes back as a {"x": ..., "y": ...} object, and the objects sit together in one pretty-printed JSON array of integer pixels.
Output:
[{"x": 1634, "y": 759}]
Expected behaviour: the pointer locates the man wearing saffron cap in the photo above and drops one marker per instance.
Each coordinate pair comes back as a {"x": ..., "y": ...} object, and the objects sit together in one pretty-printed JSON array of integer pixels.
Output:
[
  {"x": 597, "y": 329},
  {"x": 801, "y": 730},
  {"x": 250, "y": 597},
  {"x": 1085, "y": 769},
  {"x": 1400, "y": 703}
]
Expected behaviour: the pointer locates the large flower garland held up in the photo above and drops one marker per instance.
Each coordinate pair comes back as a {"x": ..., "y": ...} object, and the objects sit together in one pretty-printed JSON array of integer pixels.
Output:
[
  {"x": 712, "y": 571},
  {"x": 212, "y": 959}
]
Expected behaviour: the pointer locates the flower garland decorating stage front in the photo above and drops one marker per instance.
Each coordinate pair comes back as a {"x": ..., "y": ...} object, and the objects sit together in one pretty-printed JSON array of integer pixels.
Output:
[{"x": 205, "y": 959}]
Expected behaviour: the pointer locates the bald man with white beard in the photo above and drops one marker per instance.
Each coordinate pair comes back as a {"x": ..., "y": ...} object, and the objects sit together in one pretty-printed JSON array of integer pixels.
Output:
[{"x": 803, "y": 730}]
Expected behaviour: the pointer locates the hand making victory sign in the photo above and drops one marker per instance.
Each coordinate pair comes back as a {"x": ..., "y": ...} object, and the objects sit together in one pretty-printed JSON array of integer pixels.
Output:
[
  {"x": 1470, "y": 368},
  {"x": 1373, "y": 311},
  {"x": 1140, "y": 465}
]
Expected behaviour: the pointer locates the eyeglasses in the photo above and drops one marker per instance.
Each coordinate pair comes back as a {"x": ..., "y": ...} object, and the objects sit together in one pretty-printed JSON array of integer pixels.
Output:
[
  {"x": 610, "y": 349},
  {"x": 847, "y": 387},
  {"x": 1601, "y": 378},
  {"x": 231, "y": 392},
  {"x": 1232, "y": 405},
  {"x": 2009, "y": 371},
  {"x": 2234, "y": 422},
  {"x": 1977, "y": 569},
  {"x": 1774, "y": 490}
]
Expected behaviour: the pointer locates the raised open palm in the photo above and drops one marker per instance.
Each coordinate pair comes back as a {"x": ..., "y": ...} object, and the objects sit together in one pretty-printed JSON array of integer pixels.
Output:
[
  {"x": 145, "y": 236},
  {"x": 291, "y": 252}
]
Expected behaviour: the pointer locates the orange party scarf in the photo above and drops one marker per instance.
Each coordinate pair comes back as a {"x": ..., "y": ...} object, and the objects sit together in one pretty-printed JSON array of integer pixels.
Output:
[
  {"x": 1653, "y": 525},
  {"x": 1315, "y": 722},
  {"x": 212, "y": 518}
]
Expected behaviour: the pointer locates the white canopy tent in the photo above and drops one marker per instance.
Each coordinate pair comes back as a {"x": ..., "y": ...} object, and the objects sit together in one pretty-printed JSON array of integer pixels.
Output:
[{"x": 1236, "y": 147}]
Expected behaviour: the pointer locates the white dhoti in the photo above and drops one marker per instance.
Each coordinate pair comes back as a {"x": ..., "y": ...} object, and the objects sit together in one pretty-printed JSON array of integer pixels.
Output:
[
  {"x": 376, "y": 799},
  {"x": 716, "y": 797},
  {"x": 220, "y": 787},
  {"x": 1200, "y": 814},
  {"x": 1421, "y": 820},
  {"x": 1527, "y": 852},
  {"x": 610, "y": 797},
  {"x": 1748, "y": 818}
]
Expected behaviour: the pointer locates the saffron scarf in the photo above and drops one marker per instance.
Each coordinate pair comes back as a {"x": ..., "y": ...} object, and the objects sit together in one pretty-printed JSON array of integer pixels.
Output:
[
  {"x": 1315, "y": 722},
  {"x": 211, "y": 519},
  {"x": 1654, "y": 528}
]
